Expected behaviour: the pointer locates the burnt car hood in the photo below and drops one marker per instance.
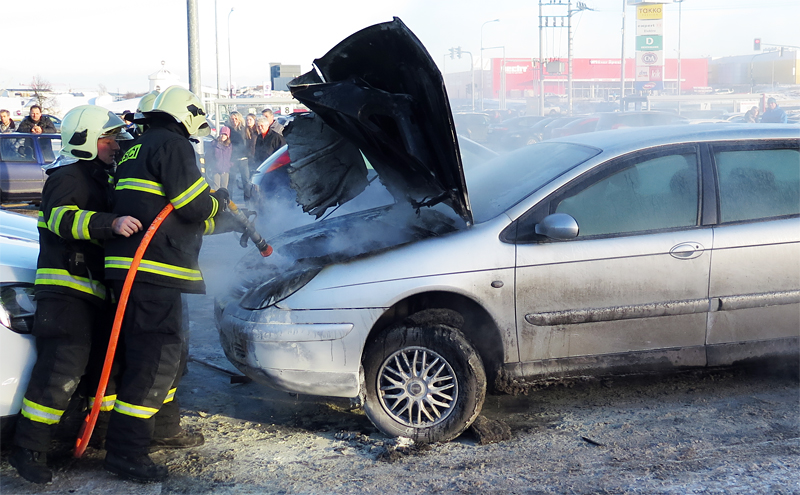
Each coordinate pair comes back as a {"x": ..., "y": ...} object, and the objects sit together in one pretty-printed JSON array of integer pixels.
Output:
[{"x": 380, "y": 90}]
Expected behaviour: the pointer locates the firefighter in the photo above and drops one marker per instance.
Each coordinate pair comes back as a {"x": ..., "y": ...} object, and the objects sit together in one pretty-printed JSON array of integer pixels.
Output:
[
  {"x": 159, "y": 169},
  {"x": 70, "y": 289}
]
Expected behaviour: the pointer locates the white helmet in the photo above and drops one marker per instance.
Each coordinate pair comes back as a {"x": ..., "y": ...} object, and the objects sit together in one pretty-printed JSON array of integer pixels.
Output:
[
  {"x": 84, "y": 125},
  {"x": 146, "y": 103},
  {"x": 185, "y": 107}
]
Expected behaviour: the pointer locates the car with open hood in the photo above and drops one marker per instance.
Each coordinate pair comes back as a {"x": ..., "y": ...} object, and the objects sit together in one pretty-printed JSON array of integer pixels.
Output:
[{"x": 634, "y": 250}]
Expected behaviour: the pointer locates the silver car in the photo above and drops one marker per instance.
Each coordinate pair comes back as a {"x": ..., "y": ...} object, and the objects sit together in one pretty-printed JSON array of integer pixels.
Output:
[{"x": 623, "y": 251}]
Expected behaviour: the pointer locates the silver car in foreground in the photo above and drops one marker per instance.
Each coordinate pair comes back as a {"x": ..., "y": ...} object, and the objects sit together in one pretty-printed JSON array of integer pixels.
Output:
[{"x": 634, "y": 250}]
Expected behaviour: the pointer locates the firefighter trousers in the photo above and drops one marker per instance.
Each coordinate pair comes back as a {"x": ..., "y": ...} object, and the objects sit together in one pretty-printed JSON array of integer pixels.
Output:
[
  {"x": 153, "y": 363},
  {"x": 71, "y": 337}
]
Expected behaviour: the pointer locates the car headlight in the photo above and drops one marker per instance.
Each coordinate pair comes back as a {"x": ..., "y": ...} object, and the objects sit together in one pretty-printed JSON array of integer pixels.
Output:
[
  {"x": 17, "y": 307},
  {"x": 278, "y": 288}
]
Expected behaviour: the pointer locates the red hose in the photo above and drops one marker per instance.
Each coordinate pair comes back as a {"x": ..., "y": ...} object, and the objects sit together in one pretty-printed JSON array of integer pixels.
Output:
[{"x": 91, "y": 420}]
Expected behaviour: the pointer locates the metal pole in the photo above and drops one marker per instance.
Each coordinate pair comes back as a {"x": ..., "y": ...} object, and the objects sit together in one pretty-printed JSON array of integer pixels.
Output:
[
  {"x": 230, "y": 87},
  {"x": 216, "y": 44},
  {"x": 622, "y": 62},
  {"x": 569, "y": 57},
  {"x": 541, "y": 62},
  {"x": 194, "y": 48},
  {"x": 472, "y": 74},
  {"x": 680, "y": 5}
]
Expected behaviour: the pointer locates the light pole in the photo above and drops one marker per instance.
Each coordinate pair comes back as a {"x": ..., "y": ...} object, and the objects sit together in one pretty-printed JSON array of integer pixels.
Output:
[
  {"x": 481, "y": 58},
  {"x": 680, "y": 4},
  {"x": 581, "y": 6},
  {"x": 622, "y": 62},
  {"x": 216, "y": 44},
  {"x": 230, "y": 87}
]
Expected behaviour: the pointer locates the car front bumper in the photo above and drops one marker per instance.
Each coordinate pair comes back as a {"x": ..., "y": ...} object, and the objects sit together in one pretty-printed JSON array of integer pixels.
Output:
[{"x": 315, "y": 352}]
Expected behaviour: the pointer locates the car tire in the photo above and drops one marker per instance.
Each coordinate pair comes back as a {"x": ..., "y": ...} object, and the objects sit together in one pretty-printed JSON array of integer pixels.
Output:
[{"x": 436, "y": 375}]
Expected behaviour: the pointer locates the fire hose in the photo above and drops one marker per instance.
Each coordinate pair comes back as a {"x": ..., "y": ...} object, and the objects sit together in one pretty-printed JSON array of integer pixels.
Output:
[{"x": 91, "y": 419}]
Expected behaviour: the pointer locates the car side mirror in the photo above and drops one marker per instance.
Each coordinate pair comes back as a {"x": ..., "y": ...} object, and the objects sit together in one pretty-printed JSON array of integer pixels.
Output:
[{"x": 559, "y": 226}]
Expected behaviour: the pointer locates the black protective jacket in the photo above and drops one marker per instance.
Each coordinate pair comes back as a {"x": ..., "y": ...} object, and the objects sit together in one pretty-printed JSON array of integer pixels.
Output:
[
  {"x": 74, "y": 220},
  {"x": 160, "y": 169}
]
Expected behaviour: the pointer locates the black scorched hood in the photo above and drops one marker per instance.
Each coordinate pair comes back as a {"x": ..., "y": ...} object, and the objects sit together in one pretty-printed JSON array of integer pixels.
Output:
[{"x": 382, "y": 92}]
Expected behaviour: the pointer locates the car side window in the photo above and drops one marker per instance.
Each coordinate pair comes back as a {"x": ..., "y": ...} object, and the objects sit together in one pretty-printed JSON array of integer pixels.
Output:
[
  {"x": 50, "y": 149},
  {"x": 757, "y": 184},
  {"x": 653, "y": 194},
  {"x": 18, "y": 150}
]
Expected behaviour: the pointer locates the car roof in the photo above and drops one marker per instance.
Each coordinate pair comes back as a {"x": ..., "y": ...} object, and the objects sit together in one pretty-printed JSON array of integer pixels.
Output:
[{"x": 630, "y": 139}]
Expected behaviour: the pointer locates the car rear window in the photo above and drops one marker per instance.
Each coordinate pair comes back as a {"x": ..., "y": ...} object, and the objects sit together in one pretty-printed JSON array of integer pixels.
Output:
[
  {"x": 499, "y": 184},
  {"x": 757, "y": 184}
]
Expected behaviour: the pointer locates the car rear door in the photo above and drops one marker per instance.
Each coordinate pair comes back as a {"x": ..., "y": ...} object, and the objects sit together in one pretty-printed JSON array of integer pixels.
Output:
[
  {"x": 755, "y": 268},
  {"x": 20, "y": 169},
  {"x": 633, "y": 286}
]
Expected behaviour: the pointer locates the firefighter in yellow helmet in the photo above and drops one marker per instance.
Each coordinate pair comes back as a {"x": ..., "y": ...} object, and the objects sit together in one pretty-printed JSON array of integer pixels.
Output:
[
  {"x": 159, "y": 169},
  {"x": 73, "y": 300}
]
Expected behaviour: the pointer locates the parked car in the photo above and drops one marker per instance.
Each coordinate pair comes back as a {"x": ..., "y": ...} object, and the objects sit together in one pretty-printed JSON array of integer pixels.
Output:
[
  {"x": 577, "y": 126},
  {"x": 512, "y": 133},
  {"x": 19, "y": 250},
  {"x": 549, "y": 131},
  {"x": 475, "y": 126},
  {"x": 22, "y": 156},
  {"x": 617, "y": 120},
  {"x": 637, "y": 250}
]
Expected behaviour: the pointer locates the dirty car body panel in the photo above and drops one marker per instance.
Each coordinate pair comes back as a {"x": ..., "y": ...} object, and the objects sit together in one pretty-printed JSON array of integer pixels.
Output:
[{"x": 600, "y": 253}]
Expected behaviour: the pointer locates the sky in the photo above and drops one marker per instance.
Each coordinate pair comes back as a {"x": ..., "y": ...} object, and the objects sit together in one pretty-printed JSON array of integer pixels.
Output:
[{"x": 86, "y": 44}]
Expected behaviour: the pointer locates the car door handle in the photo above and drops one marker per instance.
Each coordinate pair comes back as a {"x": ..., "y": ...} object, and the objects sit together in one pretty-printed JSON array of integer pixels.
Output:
[{"x": 687, "y": 250}]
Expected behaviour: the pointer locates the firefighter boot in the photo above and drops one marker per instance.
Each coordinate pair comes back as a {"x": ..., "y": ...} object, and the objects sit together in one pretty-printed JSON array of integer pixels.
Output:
[
  {"x": 135, "y": 467},
  {"x": 31, "y": 465},
  {"x": 183, "y": 440}
]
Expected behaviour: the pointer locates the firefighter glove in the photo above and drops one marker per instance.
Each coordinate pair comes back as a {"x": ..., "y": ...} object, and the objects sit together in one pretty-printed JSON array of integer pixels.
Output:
[{"x": 222, "y": 197}]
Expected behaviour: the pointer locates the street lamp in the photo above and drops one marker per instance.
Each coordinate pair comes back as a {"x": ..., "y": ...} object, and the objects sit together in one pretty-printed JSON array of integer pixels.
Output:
[
  {"x": 216, "y": 44},
  {"x": 230, "y": 87},
  {"x": 481, "y": 67},
  {"x": 680, "y": 4}
]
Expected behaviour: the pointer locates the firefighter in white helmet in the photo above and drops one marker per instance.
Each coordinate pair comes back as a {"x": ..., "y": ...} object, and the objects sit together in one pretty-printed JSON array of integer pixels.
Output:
[
  {"x": 73, "y": 300},
  {"x": 159, "y": 169}
]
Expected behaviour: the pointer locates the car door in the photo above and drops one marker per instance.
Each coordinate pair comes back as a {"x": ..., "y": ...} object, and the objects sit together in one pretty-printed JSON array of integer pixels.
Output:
[
  {"x": 20, "y": 170},
  {"x": 755, "y": 267},
  {"x": 633, "y": 285}
]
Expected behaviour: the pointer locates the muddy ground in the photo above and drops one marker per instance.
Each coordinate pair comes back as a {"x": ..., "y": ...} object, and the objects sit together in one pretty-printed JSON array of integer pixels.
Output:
[{"x": 725, "y": 431}]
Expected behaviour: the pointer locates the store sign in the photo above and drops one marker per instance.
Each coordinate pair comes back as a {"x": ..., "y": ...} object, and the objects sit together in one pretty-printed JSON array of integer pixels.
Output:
[{"x": 649, "y": 47}]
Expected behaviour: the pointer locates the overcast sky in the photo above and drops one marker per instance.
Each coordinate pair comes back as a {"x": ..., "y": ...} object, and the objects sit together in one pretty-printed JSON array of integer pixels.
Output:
[{"x": 87, "y": 43}]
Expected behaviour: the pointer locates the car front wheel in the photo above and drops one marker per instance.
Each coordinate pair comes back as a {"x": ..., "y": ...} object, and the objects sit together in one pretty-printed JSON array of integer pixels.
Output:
[{"x": 423, "y": 382}]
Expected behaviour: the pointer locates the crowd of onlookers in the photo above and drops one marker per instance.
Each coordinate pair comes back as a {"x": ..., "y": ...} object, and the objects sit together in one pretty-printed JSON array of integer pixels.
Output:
[{"x": 242, "y": 144}]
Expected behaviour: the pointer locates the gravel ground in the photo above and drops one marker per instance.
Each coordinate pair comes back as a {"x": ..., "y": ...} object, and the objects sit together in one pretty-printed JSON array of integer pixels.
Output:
[{"x": 724, "y": 431}]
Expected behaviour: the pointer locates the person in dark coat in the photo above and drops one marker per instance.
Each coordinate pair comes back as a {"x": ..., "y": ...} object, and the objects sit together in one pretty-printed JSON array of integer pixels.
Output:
[
  {"x": 36, "y": 123},
  {"x": 267, "y": 140},
  {"x": 73, "y": 298},
  {"x": 159, "y": 170},
  {"x": 6, "y": 124}
]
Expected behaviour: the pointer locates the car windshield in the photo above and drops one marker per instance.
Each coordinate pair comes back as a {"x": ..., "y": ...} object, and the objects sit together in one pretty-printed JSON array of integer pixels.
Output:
[{"x": 499, "y": 184}]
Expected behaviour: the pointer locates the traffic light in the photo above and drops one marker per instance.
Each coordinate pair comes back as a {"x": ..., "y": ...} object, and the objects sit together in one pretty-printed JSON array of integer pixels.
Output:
[
  {"x": 757, "y": 44},
  {"x": 458, "y": 51},
  {"x": 452, "y": 53}
]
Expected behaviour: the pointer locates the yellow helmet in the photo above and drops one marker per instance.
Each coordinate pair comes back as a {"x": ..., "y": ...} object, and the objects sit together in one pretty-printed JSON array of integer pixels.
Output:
[
  {"x": 84, "y": 125},
  {"x": 185, "y": 107}
]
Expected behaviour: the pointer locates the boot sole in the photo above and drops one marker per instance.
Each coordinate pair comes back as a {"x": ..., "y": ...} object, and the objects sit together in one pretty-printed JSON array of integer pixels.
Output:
[{"x": 128, "y": 476}]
